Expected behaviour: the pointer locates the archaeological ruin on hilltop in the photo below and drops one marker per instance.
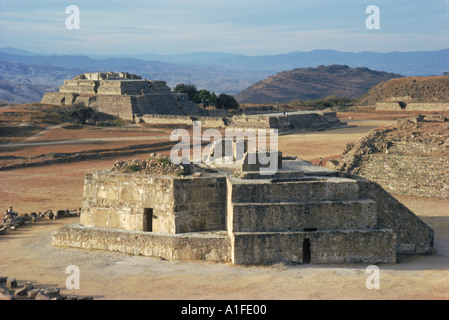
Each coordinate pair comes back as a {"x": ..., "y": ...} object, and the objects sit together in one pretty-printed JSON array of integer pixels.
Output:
[
  {"x": 409, "y": 94},
  {"x": 234, "y": 212},
  {"x": 121, "y": 94},
  {"x": 130, "y": 97}
]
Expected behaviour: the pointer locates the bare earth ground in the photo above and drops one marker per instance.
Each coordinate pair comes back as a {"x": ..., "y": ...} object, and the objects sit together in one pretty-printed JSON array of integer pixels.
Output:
[{"x": 26, "y": 254}]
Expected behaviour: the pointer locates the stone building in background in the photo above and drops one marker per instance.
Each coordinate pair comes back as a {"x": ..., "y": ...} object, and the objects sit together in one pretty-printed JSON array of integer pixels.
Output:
[{"x": 121, "y": 94}]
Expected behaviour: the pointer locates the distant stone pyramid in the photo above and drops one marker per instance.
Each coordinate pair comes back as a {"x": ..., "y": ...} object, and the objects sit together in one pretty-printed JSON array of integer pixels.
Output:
[{"x": 122, "y": 94}]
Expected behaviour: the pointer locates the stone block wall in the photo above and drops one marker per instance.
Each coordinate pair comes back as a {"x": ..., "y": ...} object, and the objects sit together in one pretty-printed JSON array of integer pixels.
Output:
[
  {"x": 413, "y": 169},
  {"x": 177, "y": 205},
  {"x": 115, "y": 105},
  {"x": 59, "y": 98},
  {"x": 206, "y": 122},
  {"x": 165, "y": 104},
  {"x": 305, "y": 121},
  {"x": 259, "y": 122},
  {"x": 282, "y": 123},
  {"x": 209, "y": 247},
  {"x": 311, "y": 189},
  {"x": 166, "y": 119},
  {"x": 350, "y": 246},
  {"x": 200, "y": 204},
  {"x": 79, "y": 86},
  {"x": 297, "y": 216},
  {"x": 305, "y": 220},
  {"x": 111, "y": 87},
  {"x": 118, "y": 201}
]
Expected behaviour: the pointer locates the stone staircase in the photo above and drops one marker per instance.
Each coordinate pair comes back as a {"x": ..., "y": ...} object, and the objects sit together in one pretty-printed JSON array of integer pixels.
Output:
[{"x": 303, "y": 217}]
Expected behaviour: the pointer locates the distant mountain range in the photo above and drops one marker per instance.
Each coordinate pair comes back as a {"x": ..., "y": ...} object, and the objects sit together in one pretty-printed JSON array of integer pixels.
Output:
[
  {"x": 219, "y": 72},
  {"x": 314, "y": 83}
]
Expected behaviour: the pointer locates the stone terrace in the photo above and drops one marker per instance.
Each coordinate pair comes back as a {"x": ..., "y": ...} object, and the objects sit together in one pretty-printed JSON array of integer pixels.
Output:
[{"x": 301, "y": 214}]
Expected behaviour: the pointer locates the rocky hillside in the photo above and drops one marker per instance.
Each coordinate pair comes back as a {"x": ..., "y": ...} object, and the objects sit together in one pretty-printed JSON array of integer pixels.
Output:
[
  {"x": 410, "y": 157},
  {"x": 409, "y": 89},
  {"x": 12, "y": 92},
  {"x": 314, "y": 83}
]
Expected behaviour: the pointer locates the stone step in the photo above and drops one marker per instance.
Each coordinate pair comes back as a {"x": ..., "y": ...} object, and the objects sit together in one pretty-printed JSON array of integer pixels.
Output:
[
  {"x": 300, "y": 216},
  {"x": 348, "y": 246},
  {"x": 287, "y": 190},
  {"x": 279, "y": 174}
]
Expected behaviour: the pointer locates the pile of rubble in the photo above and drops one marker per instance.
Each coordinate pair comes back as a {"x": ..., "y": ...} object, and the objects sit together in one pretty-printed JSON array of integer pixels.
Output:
[
  {"x": 19, "y": 220},
  {"x": 155, "y": 164},
  {"x": 431, "y": 131},
  {"x": 9, "y": 290}
]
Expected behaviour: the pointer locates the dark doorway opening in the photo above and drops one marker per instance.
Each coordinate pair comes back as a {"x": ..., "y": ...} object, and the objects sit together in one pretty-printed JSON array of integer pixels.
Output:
[
  {"x": 306, "y": 254},
  {"x": 148, "y": 220}
]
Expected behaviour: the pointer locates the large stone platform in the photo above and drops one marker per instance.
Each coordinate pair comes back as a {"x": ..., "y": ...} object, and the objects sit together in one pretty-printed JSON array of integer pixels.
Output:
[
  {"x": 123, "y": 95},
  {"x": 301, "y": 214}
]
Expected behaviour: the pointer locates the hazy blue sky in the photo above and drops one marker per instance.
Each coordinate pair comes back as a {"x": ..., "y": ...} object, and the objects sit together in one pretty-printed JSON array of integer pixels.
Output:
[{"x": 252, "y": 27}]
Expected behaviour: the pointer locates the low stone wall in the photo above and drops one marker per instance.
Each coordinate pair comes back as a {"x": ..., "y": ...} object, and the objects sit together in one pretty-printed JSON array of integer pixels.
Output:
[
  {"x": 198, "y": 246},
  {"x": 351, "y": 246},
  {"x": 165, "y": 119},
  {"x": 208, "y": 122},
  {"x": 394, "y": 106},
  {"x": 280, "y": 122},
  {"x": 259, "y": 122}
]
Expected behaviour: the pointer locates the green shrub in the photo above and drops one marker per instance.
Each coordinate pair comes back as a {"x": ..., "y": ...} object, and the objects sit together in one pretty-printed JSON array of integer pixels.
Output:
[
  {"x": 118, "y": 122},
  {"x": 134, "y": 167},
  {"x": 331, "y": 101},
  {"x": 164, "y": 161},
  {"x": 79, "y": 113},
  {"x": 112, "y": 123},
  {"x": 225, "y": 101}
]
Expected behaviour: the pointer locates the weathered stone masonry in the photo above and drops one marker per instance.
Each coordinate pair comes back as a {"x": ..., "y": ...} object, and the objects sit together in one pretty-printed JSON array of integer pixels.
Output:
[
  {"x": 123, "y": 95},
  {"x": 122, "y": 201},
  {"x": 408, "y": 158},
  {"x": 302, "y": 214}
]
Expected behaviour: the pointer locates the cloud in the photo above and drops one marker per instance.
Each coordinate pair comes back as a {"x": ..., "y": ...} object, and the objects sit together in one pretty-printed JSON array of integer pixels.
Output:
[{"x": 250, "y": 27}]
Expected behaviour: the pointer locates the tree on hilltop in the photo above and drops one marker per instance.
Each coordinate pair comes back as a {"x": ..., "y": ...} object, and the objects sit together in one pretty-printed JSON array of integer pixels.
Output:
[
  {"x": 226, "y": 101},
  {"x": 205, "y": 98},
  {"x": 188, "y": 89}
]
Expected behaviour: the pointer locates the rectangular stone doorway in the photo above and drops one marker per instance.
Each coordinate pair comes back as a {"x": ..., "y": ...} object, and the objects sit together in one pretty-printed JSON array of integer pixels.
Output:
[
  {"x": 148, "y": 219},
  {"x": 306, "y": 254}
]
